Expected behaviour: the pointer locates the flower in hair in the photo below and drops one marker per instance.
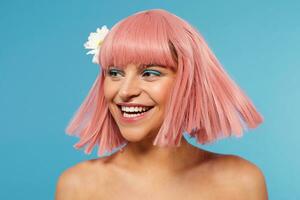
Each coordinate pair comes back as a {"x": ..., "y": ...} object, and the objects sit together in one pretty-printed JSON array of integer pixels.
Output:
[{"x": 95, "y": 41}]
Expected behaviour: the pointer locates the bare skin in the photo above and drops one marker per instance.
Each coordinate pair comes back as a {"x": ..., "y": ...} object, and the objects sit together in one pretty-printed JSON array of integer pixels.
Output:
[
  {"x": 144, "y": 171},
  {"x": 207, "y": 176}
]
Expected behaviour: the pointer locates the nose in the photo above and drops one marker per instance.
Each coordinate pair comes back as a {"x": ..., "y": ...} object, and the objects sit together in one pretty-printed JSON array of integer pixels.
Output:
[{"x": 130, "y": 88}]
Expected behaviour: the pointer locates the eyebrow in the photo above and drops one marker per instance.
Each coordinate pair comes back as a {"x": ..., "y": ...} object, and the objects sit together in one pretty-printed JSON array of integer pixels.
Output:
[{"x": 143, "y": 66}]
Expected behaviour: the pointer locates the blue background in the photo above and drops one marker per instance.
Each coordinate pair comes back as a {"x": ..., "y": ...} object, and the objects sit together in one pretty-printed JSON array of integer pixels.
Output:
[{"x": 45, "y": 75}]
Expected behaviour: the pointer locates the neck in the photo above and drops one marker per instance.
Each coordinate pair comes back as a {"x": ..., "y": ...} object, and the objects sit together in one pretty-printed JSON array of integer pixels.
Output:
[{"x": 143, "y": 157}]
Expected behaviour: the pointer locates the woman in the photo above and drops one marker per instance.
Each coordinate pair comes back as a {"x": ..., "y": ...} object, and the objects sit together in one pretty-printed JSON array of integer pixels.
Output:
[{"x": 159, "y": 79}]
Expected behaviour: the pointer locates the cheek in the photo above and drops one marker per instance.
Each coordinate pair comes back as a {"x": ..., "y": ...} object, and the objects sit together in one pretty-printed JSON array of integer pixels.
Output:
[
  {"x": 108, "y": 90},
  {"x": 161, "y": 91}
]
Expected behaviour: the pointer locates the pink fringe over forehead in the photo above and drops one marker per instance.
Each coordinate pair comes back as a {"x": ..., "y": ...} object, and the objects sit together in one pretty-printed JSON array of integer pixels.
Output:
[
  {"x": 205, "y": 102},
  {"x": 139, "y": 39}
]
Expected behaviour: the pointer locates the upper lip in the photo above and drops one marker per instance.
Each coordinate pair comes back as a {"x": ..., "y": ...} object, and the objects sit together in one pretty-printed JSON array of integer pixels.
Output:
[{"x": 132, "y": 105}]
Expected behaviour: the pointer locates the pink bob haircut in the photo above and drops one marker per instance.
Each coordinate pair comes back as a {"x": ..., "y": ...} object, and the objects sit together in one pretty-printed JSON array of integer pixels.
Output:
[{"x": 204, "y": 102}]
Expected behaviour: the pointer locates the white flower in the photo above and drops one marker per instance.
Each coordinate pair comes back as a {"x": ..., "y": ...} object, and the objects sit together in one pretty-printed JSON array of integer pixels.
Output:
[{"x": 95, "y": 41}]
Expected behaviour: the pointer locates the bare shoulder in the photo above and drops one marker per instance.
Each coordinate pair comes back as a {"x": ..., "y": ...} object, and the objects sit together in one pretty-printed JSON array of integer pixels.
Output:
[
  {"x": 78, "y": 181},
  {"x": 240, "y": 176}
]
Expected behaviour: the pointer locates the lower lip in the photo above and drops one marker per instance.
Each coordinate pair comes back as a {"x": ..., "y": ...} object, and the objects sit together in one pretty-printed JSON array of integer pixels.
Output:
[{"x": 134, "y": 119}]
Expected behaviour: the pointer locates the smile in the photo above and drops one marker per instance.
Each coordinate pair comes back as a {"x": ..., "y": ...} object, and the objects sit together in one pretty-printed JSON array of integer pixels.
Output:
[{"x": 130, "y": 115}]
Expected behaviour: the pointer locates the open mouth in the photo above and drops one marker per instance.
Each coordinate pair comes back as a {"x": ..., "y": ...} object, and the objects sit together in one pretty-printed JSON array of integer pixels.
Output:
[{"x": 147, "y": 108}]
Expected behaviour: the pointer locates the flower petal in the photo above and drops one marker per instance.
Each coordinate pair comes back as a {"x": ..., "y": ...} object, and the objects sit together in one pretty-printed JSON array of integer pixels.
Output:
[{"x": 95, "y": 41}]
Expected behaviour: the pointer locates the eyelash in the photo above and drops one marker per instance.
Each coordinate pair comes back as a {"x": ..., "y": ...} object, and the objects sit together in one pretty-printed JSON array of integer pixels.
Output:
[{"x": 156, "y": 73}]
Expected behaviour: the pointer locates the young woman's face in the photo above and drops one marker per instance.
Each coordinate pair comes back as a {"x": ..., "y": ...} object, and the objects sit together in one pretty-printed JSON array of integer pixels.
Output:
[{"x": 150, "y": 87}]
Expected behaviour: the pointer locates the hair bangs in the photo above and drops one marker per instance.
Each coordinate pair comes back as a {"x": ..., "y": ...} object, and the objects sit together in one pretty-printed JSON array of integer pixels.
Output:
[
  {"x": 205, "y": 102},
  {"x": 140, "y": 39}
]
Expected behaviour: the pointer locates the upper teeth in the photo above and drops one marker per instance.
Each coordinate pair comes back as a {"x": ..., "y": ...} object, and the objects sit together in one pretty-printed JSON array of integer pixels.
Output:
[{"x": 134, "y": 109}]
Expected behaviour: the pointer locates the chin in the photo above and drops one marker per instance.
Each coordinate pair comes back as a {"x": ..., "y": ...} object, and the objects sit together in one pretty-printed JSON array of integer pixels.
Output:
[{"x": 134, "y": 136}]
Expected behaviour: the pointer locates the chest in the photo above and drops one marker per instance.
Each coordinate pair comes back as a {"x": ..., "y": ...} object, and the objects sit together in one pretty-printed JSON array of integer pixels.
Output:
[{"x": 160, "y": 188}]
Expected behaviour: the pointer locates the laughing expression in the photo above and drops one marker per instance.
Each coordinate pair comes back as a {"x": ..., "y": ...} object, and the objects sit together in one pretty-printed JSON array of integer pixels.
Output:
[{"x": 137, "y": 98}]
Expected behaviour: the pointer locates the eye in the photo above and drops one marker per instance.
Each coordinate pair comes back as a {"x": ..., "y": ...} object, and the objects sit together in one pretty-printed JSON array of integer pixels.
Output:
[
  {"x": 112, "y": 72},
  {"x": 153, "y": 72}
]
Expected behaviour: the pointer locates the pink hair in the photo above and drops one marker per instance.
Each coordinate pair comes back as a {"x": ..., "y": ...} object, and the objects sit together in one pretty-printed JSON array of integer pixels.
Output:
[{"x": 205, "y": 101}]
